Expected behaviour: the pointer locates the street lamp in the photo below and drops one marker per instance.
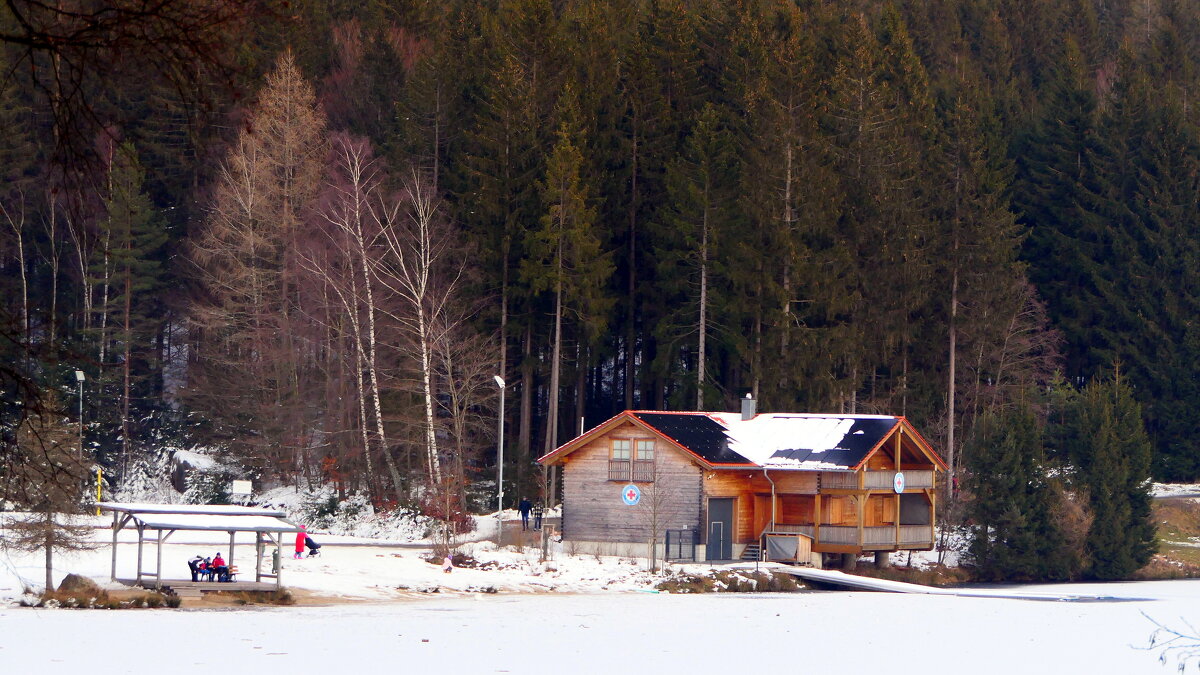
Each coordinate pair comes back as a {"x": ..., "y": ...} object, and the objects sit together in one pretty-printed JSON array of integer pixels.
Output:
[
  {"x": 79, "y": 380},
  {"x": 500, "y": 468}
]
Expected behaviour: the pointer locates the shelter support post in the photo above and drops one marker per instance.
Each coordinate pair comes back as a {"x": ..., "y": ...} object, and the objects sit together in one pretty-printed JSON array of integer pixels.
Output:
[
  {"x": 258, "y": 551},
  {"x": 116, "y": 527},
  {"x": 158, "y": 565},
  {"x": 230, "y": 563},
  {"x": 141, "y": 538}
]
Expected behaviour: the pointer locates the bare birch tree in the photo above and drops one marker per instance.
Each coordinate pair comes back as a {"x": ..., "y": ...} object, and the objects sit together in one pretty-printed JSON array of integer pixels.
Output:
[
  {"x": 415, "y": 270},
  {"x": 354, "y": 233}
]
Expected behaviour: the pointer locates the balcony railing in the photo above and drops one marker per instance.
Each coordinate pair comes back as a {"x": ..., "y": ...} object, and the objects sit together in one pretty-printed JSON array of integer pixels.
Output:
[
  {"x": 885, "y": 536},
  {"x": 643, "y": 471},
  {"x": 619, "y": 469},
  {"x": 875, "y": 480}
]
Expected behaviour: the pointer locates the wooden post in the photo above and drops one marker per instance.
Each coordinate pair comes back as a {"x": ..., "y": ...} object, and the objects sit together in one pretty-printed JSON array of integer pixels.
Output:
[
  {"x": 231, "y": 534},
  {"x": 862, "y": 505},
  {"x": 932, "y": 494},
  {"x": 817, "y": 518},
  {"x": 898, "y": 494},
  {"x": 158, "y": 568},
  {"x": 116, "y": 528},
  {"x": 258, "y": 550},
  {"x": 141, "y": 535}
]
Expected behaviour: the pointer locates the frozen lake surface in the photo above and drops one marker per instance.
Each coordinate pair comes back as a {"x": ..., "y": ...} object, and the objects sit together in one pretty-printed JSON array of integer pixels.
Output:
[{"x": 658, "y": 633}]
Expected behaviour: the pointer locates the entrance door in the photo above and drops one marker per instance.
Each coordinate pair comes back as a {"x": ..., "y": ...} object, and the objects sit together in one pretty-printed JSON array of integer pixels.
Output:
[{"x": 720, "y": 529}]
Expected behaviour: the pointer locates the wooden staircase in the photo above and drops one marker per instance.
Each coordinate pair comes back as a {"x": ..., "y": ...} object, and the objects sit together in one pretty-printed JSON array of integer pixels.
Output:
[{"x": 752, "y": 553}]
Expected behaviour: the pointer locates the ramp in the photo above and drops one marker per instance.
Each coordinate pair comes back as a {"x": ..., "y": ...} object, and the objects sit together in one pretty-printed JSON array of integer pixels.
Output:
[{"x": 858, "y": 583}]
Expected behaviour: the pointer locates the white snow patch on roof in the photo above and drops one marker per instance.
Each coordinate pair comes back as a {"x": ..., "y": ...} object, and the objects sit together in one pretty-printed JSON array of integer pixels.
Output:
[{"x": 759, "y": 438}]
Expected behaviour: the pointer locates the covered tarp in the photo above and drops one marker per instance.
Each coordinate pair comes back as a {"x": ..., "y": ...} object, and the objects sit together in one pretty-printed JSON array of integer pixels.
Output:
[{"x": 782, "y": 546}]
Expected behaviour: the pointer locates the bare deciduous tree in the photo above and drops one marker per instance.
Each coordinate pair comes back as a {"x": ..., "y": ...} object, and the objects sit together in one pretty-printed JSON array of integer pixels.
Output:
[
  {"x": 416, "y": 271},
  {"x": 256, "y": 343}
]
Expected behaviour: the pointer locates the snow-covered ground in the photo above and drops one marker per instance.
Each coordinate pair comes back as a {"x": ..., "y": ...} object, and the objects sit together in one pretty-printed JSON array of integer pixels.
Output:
[
  {"x": 1161, "y": 490},
  {"x": 351, "y": 568},
  {"x": 571, "y": 614}
]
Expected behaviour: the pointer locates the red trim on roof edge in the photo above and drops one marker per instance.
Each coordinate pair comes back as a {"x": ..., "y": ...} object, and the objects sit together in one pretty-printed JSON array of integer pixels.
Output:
[
  {"x": 903, "y": 422},
  {"x": 559, "y": 451}
]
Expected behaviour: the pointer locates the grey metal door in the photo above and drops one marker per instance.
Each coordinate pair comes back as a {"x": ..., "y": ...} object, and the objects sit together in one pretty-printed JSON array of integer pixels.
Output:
[{"x": 720, "y": 529}]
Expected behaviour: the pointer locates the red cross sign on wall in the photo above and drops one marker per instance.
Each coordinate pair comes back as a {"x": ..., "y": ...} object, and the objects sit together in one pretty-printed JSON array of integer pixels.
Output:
[{"x": 631, "y": 495}]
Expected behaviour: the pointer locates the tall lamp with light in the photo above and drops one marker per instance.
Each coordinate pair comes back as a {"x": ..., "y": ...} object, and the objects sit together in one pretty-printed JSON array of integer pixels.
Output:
[
  {"x": 500, "y": 468},
  {"x": 79, "y": 380}
]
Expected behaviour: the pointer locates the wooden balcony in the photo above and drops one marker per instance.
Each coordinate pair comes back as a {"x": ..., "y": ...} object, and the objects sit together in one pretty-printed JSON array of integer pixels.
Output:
[
  {"x": 882, "y": 538},
  {"x": 642, "y": 471},
  {"x": 875, "y": 480}
]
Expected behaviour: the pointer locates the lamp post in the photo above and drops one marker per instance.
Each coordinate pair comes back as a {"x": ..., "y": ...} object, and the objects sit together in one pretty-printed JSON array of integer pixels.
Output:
[
  {"x": 79, "y": 380},
  {"x": 500, "y": 468}
]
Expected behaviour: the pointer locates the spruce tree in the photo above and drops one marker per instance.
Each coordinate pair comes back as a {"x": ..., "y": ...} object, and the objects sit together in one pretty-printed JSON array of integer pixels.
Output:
[
  {"x": 1016, "y": 536},
  {"x": 1110, "y": 452},
  {"x": 133, "y": 273},
  {"x": 691, "y": 245}
]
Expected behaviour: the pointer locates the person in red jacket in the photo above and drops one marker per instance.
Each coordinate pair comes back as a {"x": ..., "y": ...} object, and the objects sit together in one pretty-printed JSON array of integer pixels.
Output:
[
  {"x": 300, "y": 543},
  {"x": 220, "y": 568}
]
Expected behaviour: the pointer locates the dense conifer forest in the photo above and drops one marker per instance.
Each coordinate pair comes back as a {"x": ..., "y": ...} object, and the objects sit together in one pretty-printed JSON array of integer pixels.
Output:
[{"x": 307, "y": 235}]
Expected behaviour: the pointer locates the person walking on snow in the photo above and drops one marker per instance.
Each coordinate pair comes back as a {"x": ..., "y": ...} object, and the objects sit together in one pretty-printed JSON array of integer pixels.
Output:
[
  {"x": 300, "y": 537},
  {"x": 524, "y": 507}
]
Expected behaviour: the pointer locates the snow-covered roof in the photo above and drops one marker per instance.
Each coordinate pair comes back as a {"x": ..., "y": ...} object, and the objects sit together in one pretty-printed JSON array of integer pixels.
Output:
[
  {"x": 194, "y": 509},
  {"x": 209, "y": 517},
  {"x": 805, "y": 441},
  {"x": 789, "y": 441}
]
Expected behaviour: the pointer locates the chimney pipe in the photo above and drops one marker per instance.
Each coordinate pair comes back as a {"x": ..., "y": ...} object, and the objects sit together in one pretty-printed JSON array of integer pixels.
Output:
[{"x": 749, "y": 408}]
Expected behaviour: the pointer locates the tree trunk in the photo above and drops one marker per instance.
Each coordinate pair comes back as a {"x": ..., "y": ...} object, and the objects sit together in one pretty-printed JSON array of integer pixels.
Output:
[
  {"x": 128, "y": 339},
  {"x": 525, "y": 433},
  {"x": 631, "y": 312},
  {"x": 702, "y": 325},
  {"x": 950, "y": 386},
  {"x": 555, "y": 358}
]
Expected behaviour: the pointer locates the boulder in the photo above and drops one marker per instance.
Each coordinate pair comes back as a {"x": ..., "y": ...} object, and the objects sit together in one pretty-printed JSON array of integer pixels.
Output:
[{"x": 78, "y": 586}]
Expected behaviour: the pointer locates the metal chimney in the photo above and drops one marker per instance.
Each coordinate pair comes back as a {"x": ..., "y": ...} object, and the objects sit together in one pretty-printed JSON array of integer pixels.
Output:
[{"x": 749, "y": 408}]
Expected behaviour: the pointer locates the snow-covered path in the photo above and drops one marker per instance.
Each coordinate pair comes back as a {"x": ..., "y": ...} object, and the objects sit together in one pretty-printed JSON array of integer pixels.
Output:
[{"x": 807, "y": 632}]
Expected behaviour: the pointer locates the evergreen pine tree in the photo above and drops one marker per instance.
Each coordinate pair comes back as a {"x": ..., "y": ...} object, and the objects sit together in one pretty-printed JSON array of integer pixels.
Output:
[
  {"x": 1012, "y": 504},
  {"x": 1108, "y": 446},
  {"x": 691, "y": 245}
]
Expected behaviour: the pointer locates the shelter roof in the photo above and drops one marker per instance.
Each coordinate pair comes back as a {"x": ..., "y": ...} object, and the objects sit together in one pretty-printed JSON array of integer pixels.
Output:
[{"x": 209, "y": 517}]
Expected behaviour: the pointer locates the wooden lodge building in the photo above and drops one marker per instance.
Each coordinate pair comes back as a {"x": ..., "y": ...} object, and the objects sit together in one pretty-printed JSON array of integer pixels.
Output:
[{"x": 728, "y": 486}]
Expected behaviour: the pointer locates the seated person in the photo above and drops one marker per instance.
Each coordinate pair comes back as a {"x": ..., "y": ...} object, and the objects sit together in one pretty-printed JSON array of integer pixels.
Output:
[
  {"x": 219, "y": 568},
  {"x": 195, "y": 566},
  {"x": 313, "y": 547}
]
